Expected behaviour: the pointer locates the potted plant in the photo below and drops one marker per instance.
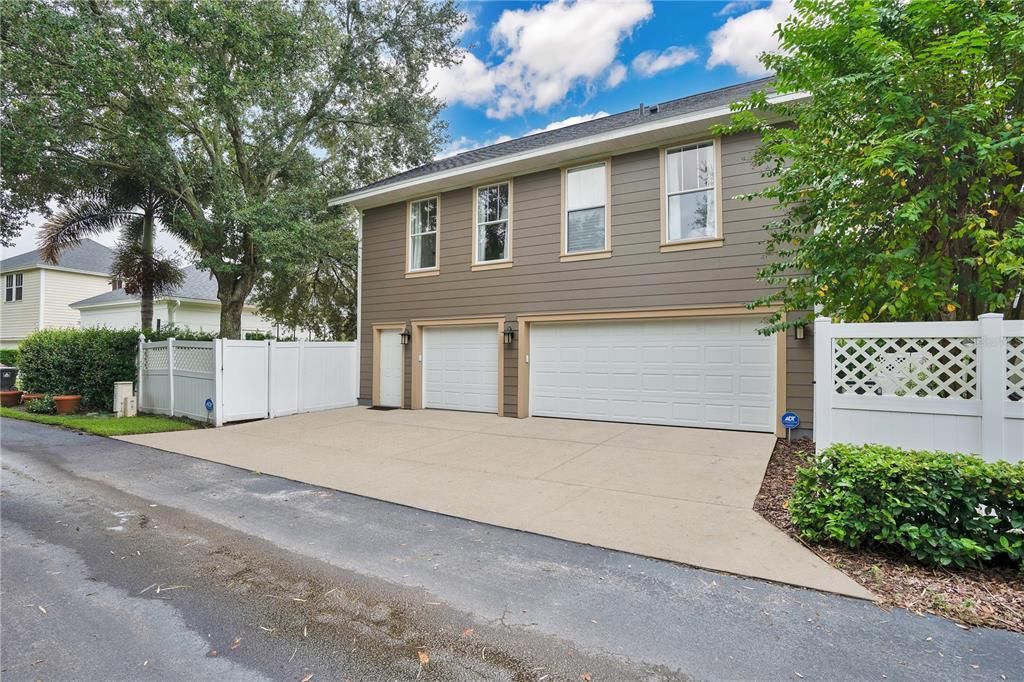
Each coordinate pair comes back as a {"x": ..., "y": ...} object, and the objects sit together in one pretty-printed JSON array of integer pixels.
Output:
[
  {"x": 27, "y": 396},
  {"x": 10, "y": 398},
  {"x": 42, "y": 405},
  {"x": 67, "y": 404}
]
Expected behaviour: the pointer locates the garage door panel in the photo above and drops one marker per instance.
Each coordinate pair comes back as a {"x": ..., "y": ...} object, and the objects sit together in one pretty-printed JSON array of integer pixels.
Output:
[
  {"x": 460, "y": 368},
  {"x": 717, "y": 372}
]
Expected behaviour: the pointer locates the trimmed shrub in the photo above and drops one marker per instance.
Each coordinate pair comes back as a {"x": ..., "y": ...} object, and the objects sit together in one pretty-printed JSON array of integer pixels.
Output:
[
  {"x": 179, "y": 334},
  {"x": 940, "y": 508},
  {"x": 9, "y": 357},
  {"x": 86, "y": 362}
]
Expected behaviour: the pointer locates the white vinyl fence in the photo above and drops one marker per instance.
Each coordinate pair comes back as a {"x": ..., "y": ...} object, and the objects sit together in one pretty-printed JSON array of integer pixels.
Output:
[
  {"x": 245, "y": 379},
  {"x": 952, "y": 386}
]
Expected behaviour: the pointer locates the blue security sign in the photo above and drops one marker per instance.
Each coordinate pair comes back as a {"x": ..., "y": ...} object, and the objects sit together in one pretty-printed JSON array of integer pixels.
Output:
[
  {"x": 209, "y": 404},
  {"x": 790, "y": 420}
]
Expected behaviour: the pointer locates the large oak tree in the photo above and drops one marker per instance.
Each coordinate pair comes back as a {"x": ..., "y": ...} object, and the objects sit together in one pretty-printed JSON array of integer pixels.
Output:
[{"x": 234, "y": 109}]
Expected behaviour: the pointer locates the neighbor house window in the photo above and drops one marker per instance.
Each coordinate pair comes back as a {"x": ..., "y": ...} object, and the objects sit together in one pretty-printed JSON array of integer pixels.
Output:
[
  {"x": 493, "y": 230},
  {"x": 423, "y": 234},
  {"x": 13, "y": 287},
  {"x": 586, "y": 209},
  {"x": 690, "y": 193}
]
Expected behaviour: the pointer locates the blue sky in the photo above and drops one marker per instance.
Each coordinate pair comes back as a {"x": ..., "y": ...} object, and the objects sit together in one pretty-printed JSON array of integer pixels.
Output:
[{"x": 532, "y": 65}]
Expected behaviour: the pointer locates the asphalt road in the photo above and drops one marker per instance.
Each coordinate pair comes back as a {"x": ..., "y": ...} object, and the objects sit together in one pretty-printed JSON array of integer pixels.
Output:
[{"x": 122, "y": 562}]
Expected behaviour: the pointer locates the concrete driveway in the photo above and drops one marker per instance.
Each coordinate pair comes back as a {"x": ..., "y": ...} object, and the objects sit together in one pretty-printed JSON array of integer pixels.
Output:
[{"x": 684, "y": 495}]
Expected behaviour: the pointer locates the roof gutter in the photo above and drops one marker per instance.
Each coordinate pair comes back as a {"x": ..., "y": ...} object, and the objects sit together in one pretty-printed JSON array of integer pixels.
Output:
[{"x": 622, "y": 133}]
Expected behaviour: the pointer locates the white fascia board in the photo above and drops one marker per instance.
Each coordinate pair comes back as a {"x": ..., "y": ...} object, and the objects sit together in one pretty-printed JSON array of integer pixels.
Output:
[
  {"x": 135, "y": 301},
  {"x": 58, "y": 268},
  {"x": 646, "y": 134}
]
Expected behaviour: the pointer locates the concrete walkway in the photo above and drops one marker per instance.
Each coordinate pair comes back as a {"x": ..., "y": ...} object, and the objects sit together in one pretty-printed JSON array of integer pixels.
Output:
[{"x": 684, "y": 495}]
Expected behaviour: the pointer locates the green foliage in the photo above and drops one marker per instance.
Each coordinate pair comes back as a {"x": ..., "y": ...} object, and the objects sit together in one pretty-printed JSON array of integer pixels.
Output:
[
  {"x": 104, "y": 424},
  {"x": 180, "y": 334},
  {"x": 249, "y": 115},
  {"x": 900, "y": 178},
  {"x": 83, "y": 362},
  {"x": 9, "y": 357},
  {"x": 43, "y": 405},
  {"x": 312, "y": 281},
  {"x": 940, "y": 508}
]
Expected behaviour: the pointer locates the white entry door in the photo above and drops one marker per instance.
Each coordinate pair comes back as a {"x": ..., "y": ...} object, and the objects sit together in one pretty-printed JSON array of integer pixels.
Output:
[
  {"x": 709, "y": 372},
  {"x": 390, "y": 394},
  {"x": 460, "y": 368}
]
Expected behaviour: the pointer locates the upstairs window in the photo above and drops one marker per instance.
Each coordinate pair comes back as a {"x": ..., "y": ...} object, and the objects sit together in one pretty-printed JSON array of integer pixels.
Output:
[
  {"x": 423, "y": 234},
  {"x": 13, "y": 287},
  {"x": 690, "y": 193},
  {"x": 493, "y": 227},
  {"x": 586, "y": 209}
]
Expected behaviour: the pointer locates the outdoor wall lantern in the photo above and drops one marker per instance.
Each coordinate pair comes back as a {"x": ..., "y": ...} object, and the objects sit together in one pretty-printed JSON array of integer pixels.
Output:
[
  {"x": 510, "y": 334},
  {"x": 405, "y": 335},
  {"x": 800, "y": 331}
]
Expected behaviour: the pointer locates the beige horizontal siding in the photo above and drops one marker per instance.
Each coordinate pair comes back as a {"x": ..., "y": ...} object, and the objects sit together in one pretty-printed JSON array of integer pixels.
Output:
[{"x": 637, "y": 275}]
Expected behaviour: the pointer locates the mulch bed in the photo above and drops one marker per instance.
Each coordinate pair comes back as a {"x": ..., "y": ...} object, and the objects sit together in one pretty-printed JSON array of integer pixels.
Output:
[{"x": 992, "y": 597}]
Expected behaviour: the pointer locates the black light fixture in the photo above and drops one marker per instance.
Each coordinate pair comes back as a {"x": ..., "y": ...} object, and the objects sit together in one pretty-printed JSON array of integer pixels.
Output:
[
  {"x": 405, "y": 336},
  {"x": 510, "y": 334},
  {"x": 800, "y": 331}
]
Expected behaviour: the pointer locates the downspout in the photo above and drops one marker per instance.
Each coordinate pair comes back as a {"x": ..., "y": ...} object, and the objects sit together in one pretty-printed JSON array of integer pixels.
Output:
[{"x": 359, "y": 300}]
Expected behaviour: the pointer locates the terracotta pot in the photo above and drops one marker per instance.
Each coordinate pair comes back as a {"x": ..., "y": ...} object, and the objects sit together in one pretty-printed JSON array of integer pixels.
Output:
[
  {"x": 10, "y": 398},
  {"x": 67, "y": 404},
  {"x": 25, "y": 397}
]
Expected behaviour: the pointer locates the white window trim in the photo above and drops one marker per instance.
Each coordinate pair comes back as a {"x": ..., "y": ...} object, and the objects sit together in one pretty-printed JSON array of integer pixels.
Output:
[
  {"x": 491, "y": 264},
  {"x": 668, "y": 245},
  {"x": 606, "y": 252},
  {"x": 13, "y": 288},
  {"x": 422, "y": 272}
]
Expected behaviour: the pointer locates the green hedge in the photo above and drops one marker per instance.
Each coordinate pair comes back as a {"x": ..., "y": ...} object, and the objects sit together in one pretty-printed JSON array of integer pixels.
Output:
[
  {"x": 79, "y": 361},
  {"x": 9, "y": 357},
  {"x": 924, "y": 503}
]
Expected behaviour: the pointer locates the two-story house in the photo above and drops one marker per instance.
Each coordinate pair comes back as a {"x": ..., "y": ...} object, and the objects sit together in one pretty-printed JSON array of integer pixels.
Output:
[
  {"x": 38, "y": 295},
  {"x": 599, "y": 271}
]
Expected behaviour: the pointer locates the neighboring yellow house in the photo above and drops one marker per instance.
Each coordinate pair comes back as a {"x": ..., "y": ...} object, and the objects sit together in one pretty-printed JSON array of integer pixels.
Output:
[{"x": 36, "y": 295}]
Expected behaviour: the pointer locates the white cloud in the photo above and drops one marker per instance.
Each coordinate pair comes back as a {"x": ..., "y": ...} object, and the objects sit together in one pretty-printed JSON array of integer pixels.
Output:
[
  {"x": 571, "y": 121},
  {"x": 542, "y": 53},
  {"x": 736, "y": 7},
  {"x": 740, "y": 41},
  {"x": 465, "y": 144},
  {"x": 651, "y": 62},
  {"x": 616, "y": 74},
  {"x": 469, "y": 81}
]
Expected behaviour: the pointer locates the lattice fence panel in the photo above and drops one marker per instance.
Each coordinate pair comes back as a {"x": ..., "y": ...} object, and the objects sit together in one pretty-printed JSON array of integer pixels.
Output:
[
  {"x": 1015, "y": 368},
  {"x": 154, "y": 358},
  {"x": 193, "y": 359},
  {"x": 906, "y": 367}
]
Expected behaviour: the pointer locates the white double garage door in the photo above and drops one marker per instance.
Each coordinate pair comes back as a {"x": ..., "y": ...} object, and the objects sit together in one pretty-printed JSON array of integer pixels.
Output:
[{"x": 705, "y": 372}]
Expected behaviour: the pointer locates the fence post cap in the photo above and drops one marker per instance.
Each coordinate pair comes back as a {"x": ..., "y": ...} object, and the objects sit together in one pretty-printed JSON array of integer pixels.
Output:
[
  {"x": 142, "y": 338},
  {"x": 821, "y": 319},
  {"x": 990, "y": 316}
]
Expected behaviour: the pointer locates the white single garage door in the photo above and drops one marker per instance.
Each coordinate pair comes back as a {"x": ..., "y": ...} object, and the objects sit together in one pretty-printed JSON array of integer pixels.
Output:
[
  {"x": 709, "y": 372},
  {"x": 460, "y": 368}
]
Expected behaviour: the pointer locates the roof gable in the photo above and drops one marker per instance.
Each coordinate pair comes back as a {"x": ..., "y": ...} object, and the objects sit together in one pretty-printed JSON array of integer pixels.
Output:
[{"x": 88, "y": 256}]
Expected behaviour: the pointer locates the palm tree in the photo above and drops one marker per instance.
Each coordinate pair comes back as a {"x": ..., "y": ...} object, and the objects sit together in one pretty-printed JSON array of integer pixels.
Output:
[{"x": 133, "y": 207}]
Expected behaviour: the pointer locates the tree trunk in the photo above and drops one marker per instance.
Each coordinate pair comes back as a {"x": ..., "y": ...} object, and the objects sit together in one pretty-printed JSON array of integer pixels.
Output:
[
  {"x": 148, "y": 228},
  {"x": 231, "y": 316}
]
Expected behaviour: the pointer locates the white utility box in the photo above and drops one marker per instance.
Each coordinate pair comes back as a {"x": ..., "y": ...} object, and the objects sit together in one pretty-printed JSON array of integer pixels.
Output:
[{"x": 124, "y": 399}]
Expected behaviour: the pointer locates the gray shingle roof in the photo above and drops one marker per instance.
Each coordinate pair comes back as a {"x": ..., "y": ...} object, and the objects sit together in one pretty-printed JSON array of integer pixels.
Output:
[
  {"x": 198, "y": 285},
  {"x": 89, "y": 256},
  {"x": 597, "y": 126}
]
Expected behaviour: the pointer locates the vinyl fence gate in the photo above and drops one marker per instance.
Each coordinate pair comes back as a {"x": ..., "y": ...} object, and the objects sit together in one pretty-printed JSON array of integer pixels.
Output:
[
  {"x": 223, "y": 380},
  {"x": 951, "y": 386}
]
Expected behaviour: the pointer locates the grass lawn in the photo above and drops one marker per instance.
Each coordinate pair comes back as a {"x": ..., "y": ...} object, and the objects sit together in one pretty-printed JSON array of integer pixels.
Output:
[{"x": 102, "y": 424}]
